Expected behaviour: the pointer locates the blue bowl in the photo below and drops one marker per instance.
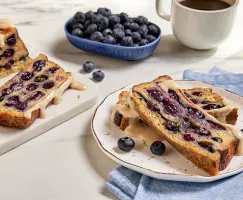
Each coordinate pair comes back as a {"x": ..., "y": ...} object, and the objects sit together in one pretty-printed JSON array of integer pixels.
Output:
[{"x": 114, "y": 51}]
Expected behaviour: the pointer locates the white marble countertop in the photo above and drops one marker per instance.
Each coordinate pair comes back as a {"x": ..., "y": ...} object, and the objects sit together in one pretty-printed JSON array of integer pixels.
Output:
[{"x": 65, "y": 162}]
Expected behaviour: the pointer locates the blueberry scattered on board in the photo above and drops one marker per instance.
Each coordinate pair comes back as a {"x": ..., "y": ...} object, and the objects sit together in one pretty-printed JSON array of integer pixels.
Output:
[
  {"x": 115, "y": 29},
  {"x": 126, "y": 144},
  {"x": 157, "y": 148}
]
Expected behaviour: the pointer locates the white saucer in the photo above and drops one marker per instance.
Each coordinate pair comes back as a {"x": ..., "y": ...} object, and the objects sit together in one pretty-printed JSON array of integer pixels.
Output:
[{"x": 170, "y": 166}]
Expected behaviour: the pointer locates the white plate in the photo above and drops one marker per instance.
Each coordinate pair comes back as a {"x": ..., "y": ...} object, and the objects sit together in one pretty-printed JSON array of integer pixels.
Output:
[
  {"x": 170, "y": 166},
  {"x": 73, "y": 103}
]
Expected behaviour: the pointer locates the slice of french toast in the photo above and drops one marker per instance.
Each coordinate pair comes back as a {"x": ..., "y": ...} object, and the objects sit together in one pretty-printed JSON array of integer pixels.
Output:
[
  {"x": 25, "y": 97},
  {"x": 214, "y": 104},
  {"x": 13, "y": 52},
  {"x": 202, "y": 139}
]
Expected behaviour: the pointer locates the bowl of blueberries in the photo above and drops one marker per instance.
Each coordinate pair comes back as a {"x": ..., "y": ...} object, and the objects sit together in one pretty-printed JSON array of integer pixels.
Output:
[{"x": 115, "y": 35}]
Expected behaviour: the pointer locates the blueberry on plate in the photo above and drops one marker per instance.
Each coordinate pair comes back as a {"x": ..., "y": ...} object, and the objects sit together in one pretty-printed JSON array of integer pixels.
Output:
[
  {"x": 141, "y": 20},
  {"x": 153, "y": 30},
  {"x": 150, "y": 38},
  {"x": 89, "y": 66},
  {"x": 126, "y": 144},
  {"x": 91, "y": 29},
  {"x": 109, "y": 39},
  {"x": 97, "y": 36},
  {"x": 157, "y": 148},
  {"x": 118, "y": 26},
  {"x": 128, "y": 32},
  {"x": 107, "y": 32},
  {"x": 104, "y": 11},
  {"x": 103, "y": 23},
  {"x": 136, "y": 36},
  {"x": 127, "y": 41},
  {"x": 118, "y": 33},
  {"x": 87, "y": 23},
  {"x": 124, "y": 17},
  {"x": 134, "y": 27},
  {"x": 96, "y": 18},
  {"x": 78, "y": 25},
  {"x": 114, "y": 19},
  {"x": 89, "y": 15},
  {"x": 143, "y": 42},
  {"x": 143, "y": 30},
  {"x": 79, "y": 17},
  {"x": 77, "y": 32},
  {"x": 98, "y": 75}
]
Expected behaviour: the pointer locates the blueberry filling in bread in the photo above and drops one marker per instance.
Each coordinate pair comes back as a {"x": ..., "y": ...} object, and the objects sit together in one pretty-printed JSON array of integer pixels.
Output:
[
  {"x": 25, "y": 97},
  {"x": 209, "y": 144}
]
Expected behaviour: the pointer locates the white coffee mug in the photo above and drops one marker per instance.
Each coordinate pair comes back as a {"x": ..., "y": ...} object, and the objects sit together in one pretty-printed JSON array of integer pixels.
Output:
[{"x": 199, "y": 29}]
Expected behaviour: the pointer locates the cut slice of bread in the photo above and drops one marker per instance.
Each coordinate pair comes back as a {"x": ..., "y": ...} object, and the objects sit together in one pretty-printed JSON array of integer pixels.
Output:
[
  {"x": 202, "y": 139},
  {"x": 25, "y": 97},
  {"x": 214, "y": 104},
  {"x": 13, "y": 53}
]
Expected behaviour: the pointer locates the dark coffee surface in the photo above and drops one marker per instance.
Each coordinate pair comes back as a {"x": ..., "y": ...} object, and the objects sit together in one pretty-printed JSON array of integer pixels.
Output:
[{"x": 205, "y": 4}]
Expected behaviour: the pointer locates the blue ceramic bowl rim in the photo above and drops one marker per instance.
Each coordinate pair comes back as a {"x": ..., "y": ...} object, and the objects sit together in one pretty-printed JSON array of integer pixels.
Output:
[{"x": 109, "y": 45}]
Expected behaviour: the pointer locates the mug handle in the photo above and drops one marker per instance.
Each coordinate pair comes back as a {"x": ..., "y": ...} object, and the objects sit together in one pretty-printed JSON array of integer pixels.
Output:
[{"x": 163, "y": 14}]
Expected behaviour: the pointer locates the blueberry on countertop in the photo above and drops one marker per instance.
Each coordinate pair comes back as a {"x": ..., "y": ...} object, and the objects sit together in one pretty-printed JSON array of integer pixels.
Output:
[
  {"x": 107, "y": 32},
  {"x": 157, "y": 148},
  {"x": 89, "y": 66},
  {"x": 136, "y": 37},
  {"x": 104, "y": 11},
  {"x": 118, "y": 26},
  {"x": 114, "y": 19},
  {"x": 79, "y": 17},
  {"x": 118, "y": 33},
  {"x": 143, "y": 42},
  {"x": 150, "y": 38},
  {"x": 109, "y": 39},
  {"x": 77, "y": 32},
  {"x": 97, "y": 36},
  {"x": 127, "y": 41},
  {"x": 126, "y": 144},
  {"x": 98, "y": 75}
]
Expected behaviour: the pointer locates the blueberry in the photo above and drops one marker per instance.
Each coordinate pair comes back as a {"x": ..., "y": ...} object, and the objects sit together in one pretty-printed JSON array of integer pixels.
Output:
[
  {"x": 16, "y": 86},
  {"x": 114, "y": 19},
  {"x": 187, "y": 95},
  {"x": 7, "y": 91},
  {"x": 103, "y": 23},
  {"x": 141, "y": 20},
  {"x": 197, "y": 93},
  {"x": 127, "y": 41},
  {"x": 36, "y": 96},
  {"x": 38, "y": 65},
  {"x": 143, "y": 42},
  {"x": 118, "y": 33},
  {"x": 143, "y": 30},
  {"x": 188, "y": 137},
  {"x": 32, "y": 86},
  {"x": 11, "y": 40},
  {"x": 118, "y": 26},
  {"x": 134, "y": 45},
  {"x": 217, "y": 139},
  {"x": 156, "y": 95},
  {"x": 208, "y": 146},
  {"x": 97, "y": 36},
  {"x": 9, "y": 64},
  {"x": 150, "y": 38},
  {"x": 157, "y": 148},
  {"x": 128, "y": 32},
  {"x": 48, "y": 85},
  {"x": 124, "y": 17},
  {"x": 8, "y": 53},
  {"x": 109, "y": 39},
  {"x": 172, "y": 126},
  {"x": 107, "y": 32},
  {"x": 78, "y": 26},
  {"x": 127, "y": 25},
  {"x": 77, "y": 32},
  {"x": 153, "y": 30},
  {"x": 96, "y": 18},
  {"x": 104, "y": 11},
  {"x": 98, "y": 75},
  {"x": 26, "y": 76},
  {"x": 53, "y": 69},
  {"x": 89, "y": 66},
  {"x": 211, "y": 106},
  {"x": 126, "y": 144},
  {"x": 131, "y": 20},
  {"x": 134, "y": 27},
  {"x": 91, "y": 29},
  {"x": 87, "y": 23},
  {"x": 136, "y": 37},
  {"x": 241, "y": 130},
  {"x": 89, "y": 15},
  {"x": 79, "y": 17},
  {"x": 41, "y": 78}
]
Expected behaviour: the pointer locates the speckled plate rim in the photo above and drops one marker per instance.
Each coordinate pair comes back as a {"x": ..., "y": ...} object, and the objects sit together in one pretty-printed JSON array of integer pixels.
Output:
[{"x": 152, "y": 173}]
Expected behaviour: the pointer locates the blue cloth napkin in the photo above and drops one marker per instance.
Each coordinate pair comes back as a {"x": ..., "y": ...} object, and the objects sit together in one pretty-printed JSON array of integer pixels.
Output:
[{"x": 127, "y": 184}]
